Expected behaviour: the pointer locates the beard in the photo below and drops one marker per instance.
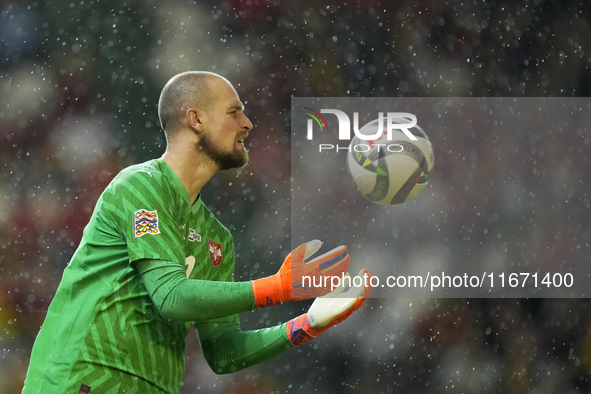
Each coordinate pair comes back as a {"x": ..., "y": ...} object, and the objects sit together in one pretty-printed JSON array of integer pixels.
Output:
[{"x": 224, "y": 160}]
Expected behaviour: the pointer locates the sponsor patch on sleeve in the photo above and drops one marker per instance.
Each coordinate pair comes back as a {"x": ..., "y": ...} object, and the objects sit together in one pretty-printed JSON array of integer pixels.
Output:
[{"x": 145, "y": 222}]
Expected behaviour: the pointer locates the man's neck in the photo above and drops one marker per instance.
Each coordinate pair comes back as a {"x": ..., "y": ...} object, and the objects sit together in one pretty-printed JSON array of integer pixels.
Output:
[{"x": 193, "y": 171}]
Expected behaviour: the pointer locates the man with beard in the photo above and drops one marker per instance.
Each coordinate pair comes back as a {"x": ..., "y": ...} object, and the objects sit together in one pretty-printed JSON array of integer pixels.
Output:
[{"x": 153, "y": 259}]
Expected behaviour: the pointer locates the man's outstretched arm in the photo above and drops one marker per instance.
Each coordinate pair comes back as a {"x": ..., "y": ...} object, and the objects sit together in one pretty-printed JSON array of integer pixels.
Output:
[
  {"x": 180, "y": 298},
  {"x": 228, "y": 349}
]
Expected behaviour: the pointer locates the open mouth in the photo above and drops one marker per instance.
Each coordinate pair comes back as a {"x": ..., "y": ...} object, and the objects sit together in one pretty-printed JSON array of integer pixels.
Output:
[{"x": 241, "y": 140}]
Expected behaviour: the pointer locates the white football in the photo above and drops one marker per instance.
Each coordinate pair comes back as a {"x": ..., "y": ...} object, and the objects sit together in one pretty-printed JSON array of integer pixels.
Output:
[{"x": 390, "y": 171}]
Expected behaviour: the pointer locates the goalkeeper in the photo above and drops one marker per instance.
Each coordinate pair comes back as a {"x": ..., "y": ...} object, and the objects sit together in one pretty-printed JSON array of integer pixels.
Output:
[{"x": 153, "y": 259}]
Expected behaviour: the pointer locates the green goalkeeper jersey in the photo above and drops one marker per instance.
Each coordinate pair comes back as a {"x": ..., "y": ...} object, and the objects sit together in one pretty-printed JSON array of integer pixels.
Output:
[{"x": 102, "y": 329}]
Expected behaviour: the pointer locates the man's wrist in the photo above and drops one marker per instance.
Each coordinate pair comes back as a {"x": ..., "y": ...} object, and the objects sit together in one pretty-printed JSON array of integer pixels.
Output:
[{"x": 267, "y": 291}]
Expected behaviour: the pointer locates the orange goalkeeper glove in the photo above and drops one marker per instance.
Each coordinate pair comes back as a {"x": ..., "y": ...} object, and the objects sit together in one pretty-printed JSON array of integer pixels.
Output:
[
  {"x": 289, "y": 283},
  {"x": 328, "y": 311}
]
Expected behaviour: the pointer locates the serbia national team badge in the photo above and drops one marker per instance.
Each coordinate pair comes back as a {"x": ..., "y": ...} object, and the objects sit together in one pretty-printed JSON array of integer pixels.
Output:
[
  {"x": 215, "y": 252},
  {"x": 145, "y": 222}
]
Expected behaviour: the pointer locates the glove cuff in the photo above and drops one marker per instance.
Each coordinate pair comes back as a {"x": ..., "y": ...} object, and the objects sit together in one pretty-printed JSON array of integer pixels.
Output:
[
  {"x": 299, "y": 330},
  {"x": 267, "y": 291}
]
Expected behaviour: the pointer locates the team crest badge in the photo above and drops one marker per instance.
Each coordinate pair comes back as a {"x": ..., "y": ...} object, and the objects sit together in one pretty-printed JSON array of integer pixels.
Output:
[
  {"x": 145, "y": 222},
  {"x": 215, "y": 252}
]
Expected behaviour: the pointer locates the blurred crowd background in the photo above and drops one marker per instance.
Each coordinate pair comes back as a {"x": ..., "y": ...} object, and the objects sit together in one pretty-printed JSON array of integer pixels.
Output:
[{"x": 79, "y": 85}]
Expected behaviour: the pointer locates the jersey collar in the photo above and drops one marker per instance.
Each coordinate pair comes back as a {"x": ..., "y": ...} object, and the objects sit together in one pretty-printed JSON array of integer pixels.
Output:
[{"x": 178, "y": 184}]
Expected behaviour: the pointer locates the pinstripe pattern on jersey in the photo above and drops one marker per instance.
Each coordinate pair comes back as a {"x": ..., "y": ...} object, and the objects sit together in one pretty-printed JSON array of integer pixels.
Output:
[{"x": 128, "y": 338}]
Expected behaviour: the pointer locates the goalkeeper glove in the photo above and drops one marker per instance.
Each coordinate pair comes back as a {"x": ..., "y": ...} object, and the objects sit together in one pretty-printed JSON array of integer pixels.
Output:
[
  {"x": 328, "y": 311},
  {"x": 287, "y": 284}
]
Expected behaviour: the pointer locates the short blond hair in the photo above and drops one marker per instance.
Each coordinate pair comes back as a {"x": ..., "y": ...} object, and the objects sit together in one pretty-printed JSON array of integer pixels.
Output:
[{"x": 181, "y": 92}]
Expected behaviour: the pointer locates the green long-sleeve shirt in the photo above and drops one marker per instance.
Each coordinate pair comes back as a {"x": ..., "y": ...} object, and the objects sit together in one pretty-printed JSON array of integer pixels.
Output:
[{"x": 110, "y": 329}]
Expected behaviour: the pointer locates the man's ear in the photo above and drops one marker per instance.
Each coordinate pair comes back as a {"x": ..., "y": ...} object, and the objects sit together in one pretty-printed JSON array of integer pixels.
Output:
[{"x": 195, "y": 117}]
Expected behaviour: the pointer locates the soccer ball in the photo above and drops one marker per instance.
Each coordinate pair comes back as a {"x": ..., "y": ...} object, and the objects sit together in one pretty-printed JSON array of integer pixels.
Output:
[{"x": 392, "y": 171}]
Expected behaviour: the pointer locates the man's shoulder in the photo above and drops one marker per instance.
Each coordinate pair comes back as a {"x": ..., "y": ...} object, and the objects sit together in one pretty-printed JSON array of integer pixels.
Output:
[
  {"x": 138, "y": 181},
  {"x": 150, "y": 169}
]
